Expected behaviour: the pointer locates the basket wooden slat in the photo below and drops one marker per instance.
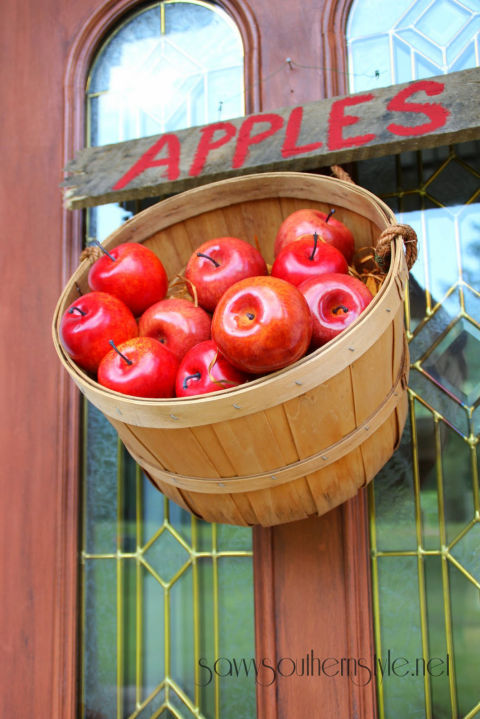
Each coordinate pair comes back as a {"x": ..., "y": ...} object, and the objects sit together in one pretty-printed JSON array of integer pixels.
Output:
[{"x": 301, "y": 440}]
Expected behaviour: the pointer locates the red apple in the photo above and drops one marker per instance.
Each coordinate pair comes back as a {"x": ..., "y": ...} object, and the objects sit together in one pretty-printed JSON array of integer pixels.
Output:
[
  {"x": 217, "y": 264},
  {"x": 262, "y": 324},
  {"x": 141, "y": 367},
  {"x": 308, "y": 221},
  {"x": 90, "y": 322},
  {"x": 131, "y": 272},
  {"x": 177, "y": 323},
  {"x": 204, "y": 369},
  {"x": 335, "y": 301},
  {"x": 307, "y": 257}
]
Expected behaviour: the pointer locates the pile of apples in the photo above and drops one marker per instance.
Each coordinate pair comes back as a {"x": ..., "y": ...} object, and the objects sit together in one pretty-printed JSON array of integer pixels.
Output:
[{"x": 245, "y": 321}]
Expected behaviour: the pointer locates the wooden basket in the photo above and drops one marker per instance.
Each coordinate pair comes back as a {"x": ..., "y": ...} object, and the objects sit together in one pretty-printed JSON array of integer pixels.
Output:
[{"x": 302, "y": 440}]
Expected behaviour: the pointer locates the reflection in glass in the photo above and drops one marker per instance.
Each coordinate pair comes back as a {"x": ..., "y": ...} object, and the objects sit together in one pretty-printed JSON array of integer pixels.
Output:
[
  {"x": 455, "y": 361},
  {"x": 175, "y": 65}
]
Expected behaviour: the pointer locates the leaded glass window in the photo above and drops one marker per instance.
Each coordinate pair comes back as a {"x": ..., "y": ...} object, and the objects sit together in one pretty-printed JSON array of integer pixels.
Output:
[
  {"x": 424, "y": 505},
  {"x": 394, "y": 42},
  {"x": 163, "y": 594}
]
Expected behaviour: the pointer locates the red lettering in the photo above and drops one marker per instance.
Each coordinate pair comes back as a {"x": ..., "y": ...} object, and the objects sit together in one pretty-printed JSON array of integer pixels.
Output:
[
  {"x": 171, "y": 161},
  {"x": 292, "y": 133},
  {"x": 207, "y": 143},
  {"x": 337, "y": 121},
  {"x": 245, "y": 137},
  {"x": 436, "y": 113}
]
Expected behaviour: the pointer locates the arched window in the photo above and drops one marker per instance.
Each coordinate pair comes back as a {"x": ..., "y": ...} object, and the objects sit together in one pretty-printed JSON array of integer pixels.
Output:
[
  {"x": 395, "y": 42},
  {"x": 163, "y": 593},
  {"x": 424, "y": 505}
]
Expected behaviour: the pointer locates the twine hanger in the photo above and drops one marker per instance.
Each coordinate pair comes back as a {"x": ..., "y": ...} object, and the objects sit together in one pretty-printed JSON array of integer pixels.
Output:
[{"x": 390, "y": 233}]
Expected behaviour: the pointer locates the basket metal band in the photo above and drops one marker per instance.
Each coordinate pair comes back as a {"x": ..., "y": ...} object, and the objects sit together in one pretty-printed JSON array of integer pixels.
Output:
[{"x": 290, "y": 472}]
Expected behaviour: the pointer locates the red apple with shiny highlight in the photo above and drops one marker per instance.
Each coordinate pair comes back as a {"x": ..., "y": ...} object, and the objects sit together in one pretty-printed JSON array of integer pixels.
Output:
[
  {"x": 335, "y": 301},
  {"x": 217, "y": 264},
  {"x": 177, "y": 323},
  {"x": 133, "y": 273},
  {"x": 204, "y": 369},
  {"x": 307, "y": 257},
  {"x": 90, "y": 322},
  {"x": 141, "y": 367},
  {"x": 308, "y": 221},
  {"x": 262, "y": 324}
]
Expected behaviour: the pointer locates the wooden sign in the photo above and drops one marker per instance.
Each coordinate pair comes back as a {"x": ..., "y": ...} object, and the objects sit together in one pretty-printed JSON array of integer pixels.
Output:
[{"x": 422, "y": 113}]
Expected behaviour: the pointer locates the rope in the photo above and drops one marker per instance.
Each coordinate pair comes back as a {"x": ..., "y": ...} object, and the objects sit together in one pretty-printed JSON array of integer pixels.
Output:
[
  {"x": 91, "y": 253},
  {"x": 382, "y": 248},
  {"x": 341, "y": 174}
]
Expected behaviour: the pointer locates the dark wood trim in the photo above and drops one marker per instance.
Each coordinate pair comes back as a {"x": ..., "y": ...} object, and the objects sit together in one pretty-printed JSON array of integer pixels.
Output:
[
  {"x": 265, "y": 616},
  {"x": 359, "y": 607},
  {"x": 334, "y": 47},
  {"x": 312, "y": 599},
  {"x": 247, "y": 24}
]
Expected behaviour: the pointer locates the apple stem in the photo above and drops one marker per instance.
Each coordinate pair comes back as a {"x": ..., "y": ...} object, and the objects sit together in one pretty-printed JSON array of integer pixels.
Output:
[
  {"x": 196, "y": 375},
  {"x": 315, "y": 243},
  {"x": 112, "y": 343},
  {"x": 72, "y": 309},
  {"x": 105, "y": 252},
  {"x": 207, "y": 257},
  {"x": 332, "y": 211},
  {"x": 336, "y": 310}
]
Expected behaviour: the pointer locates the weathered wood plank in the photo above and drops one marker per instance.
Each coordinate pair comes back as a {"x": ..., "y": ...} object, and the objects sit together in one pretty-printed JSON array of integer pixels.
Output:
[{"x": 422, "y": 113}]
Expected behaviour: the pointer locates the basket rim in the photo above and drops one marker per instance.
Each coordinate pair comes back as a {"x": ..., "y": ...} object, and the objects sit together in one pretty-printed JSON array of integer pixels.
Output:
[{"x": 303, "y": 375}]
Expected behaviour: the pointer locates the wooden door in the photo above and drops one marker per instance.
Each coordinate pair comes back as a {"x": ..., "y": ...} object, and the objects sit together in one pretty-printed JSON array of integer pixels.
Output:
[{"x": 46, "y": 48}]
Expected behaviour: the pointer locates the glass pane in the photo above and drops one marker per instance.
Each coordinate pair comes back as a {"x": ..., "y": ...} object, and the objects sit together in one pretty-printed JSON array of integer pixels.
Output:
[
  {"x": 440, "y": 673},
  {"x": 425, "y": 502},
  {"x": 465, "y": 613},
  {"x": 101, "y": 470},
  {"x": 401, "y": 638},
  {"x": 99, "y": 676},
  {"x": 428, "y": 37},
  {"x": 394, "y": 500},
  {"x": 237, "y": 689}
]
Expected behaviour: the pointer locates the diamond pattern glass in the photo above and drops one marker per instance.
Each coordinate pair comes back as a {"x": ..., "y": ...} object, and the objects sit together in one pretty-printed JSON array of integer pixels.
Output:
[
  {"x": 423, "y": 38},
  {"x": 160, "y": 590},
  {"x": 425, "y": 504}
]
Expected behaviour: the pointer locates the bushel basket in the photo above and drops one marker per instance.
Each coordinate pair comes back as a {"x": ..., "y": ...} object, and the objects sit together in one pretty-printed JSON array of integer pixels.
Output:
[{"x": 297, "y": 442}]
